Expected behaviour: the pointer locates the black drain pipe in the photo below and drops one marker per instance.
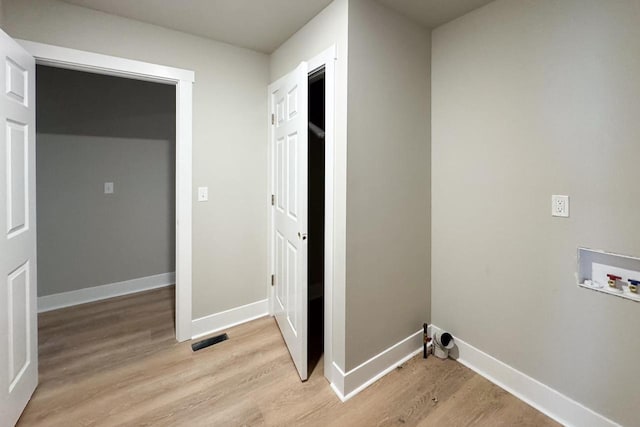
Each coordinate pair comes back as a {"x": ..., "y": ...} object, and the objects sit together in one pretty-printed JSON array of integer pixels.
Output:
[{"x": 425, "y": 340}]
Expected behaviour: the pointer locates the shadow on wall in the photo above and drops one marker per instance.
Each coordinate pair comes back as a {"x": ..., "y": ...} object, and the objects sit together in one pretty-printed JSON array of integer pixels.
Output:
[{"x": 79, "y": 103}]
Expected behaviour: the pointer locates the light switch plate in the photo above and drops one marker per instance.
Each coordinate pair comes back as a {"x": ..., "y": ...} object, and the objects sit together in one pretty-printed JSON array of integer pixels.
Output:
[
  {"x": 108, "y": 188},
  {"x": 203, "y": 194},
  {"x": 560, "y": 206}
]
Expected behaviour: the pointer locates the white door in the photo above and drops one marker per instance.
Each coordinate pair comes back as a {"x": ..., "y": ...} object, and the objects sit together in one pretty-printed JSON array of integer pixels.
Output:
[
  {"x": 289, "y": 108},
  {"x": 18, "y": 313}
]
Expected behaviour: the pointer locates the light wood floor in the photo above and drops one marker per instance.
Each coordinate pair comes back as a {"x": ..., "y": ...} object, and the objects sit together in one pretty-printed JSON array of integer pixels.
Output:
[{"x": 116, "y": 363}]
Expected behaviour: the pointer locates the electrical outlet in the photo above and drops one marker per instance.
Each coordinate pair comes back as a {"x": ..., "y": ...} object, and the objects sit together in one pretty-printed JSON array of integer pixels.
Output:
[
  {"x": 560, "y": 206},
  {"x": 108, "y": 188},
  {"x": 203, "y": 194}
]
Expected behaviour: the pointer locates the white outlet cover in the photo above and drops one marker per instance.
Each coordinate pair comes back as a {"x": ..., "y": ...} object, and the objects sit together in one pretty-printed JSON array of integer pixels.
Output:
[
  {"x": 203, "y": 194},
  {"x": 560, "y": 206},
  {"x": 108, "y": 188}
]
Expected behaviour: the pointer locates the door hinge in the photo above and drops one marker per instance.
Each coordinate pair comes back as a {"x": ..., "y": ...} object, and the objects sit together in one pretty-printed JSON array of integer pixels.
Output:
[
  {"x": 273, "y": 119},
  {"x": 273, "y": 280},
  {"x": 273, "y": 200}
]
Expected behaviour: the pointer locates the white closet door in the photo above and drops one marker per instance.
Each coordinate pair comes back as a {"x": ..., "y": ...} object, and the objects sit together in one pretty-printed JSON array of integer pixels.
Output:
[
  {"x": 289, "y": 108},
  {"x": 18, "y": 312}
]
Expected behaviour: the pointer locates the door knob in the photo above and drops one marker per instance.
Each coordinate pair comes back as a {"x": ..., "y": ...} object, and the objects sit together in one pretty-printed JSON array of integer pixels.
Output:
[{"x": 302, "y": 236}]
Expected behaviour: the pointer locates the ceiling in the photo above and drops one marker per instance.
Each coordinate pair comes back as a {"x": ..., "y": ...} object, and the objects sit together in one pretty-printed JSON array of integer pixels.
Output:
[
  {"x": 432, "y": 13},
  {"x": 261, "y": 25}
]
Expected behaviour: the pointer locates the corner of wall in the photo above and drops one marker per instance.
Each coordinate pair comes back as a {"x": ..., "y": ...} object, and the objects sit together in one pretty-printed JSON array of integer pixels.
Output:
[
  {"x": 525, "y": 94},
  {"x": 388, "y": 180}
]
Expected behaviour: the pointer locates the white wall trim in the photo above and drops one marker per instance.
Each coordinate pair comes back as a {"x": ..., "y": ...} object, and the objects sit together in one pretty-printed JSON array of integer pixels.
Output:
[
  {"x": 346, "y": 385},
  {"x": 62, "y": 57},
  {"x": 229, "y": 318},
  {"x": 97, "y": 293},
  {"x": 550, "y": 402}
]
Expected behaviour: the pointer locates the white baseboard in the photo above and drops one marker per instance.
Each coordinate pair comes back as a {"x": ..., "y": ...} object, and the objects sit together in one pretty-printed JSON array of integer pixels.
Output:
[
  {"x": 226, "y": 319},
  {"x": 346, "y": 385},
  {"x": 550, "y": 402},
  {"x": 97, "y": 293}
]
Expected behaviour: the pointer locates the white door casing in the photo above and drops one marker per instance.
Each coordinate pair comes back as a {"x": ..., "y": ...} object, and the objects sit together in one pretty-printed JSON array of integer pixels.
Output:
[
  {"x": 18, "y": 310},
  {"x": 57, "y": 56},
  {"x": 288, "y": 102}
]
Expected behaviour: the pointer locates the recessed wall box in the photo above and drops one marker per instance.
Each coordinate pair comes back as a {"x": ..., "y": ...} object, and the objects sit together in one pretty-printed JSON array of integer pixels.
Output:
[{"x": 620, "y": 272}]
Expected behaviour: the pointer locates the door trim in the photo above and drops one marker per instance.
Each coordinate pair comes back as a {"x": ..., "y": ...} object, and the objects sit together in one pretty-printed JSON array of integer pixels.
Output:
[
  {"x": 325, "y": 59},
  {"x": 62, "y": 57}
]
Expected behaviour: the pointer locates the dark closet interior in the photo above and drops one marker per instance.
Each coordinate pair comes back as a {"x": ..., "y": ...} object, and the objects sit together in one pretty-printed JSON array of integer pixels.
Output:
[{"x": 316, "y": 200}]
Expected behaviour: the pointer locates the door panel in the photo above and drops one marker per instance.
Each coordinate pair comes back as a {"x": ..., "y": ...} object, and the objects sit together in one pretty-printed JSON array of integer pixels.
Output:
[
  {"x": 18, "y": 311},
  {"x": 280, "y": 290},
  {"x": 17, "y": 177},
  {"x": 19, "y": 333},
  {"x": 292, "y": 172},
  {"x": 289, "y": 108},
  {"x": 17, "y": 82}
]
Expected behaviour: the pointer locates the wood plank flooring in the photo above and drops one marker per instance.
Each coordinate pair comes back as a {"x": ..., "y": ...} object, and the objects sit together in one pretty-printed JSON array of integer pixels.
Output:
[{"x": 116, "y": 362}]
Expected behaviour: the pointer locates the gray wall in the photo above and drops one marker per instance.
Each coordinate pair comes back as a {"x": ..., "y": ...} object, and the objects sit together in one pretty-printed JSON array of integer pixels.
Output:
[
  {"x": 93, "y": 129},
  {"x": 388, "y": 180},
  {"x": 534, "y": 98},
  {"x": 78, "y": 103},
  {"x": 229, "y": 134}
]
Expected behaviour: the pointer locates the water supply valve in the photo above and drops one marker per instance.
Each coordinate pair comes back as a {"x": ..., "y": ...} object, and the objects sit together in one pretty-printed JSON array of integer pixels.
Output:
[{"x": 612, "y": 280}]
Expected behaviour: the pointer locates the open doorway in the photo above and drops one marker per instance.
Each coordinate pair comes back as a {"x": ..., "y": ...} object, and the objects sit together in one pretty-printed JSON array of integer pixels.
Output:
[
  {"x": 106, "y": 187},
  {"x": 18, "y": 210},
  {"x": 316, "y": 216},
  {"x": 181, "y": 81}
]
